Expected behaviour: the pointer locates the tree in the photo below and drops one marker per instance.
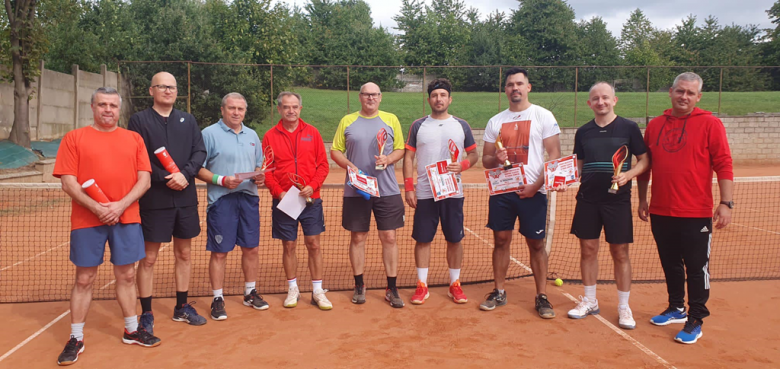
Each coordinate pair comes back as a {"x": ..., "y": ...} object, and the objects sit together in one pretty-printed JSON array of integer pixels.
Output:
[
  {"x": 26, "y": 44},
  {"x": 771, "y": 46},
  {"x": 598, "y": 47}
]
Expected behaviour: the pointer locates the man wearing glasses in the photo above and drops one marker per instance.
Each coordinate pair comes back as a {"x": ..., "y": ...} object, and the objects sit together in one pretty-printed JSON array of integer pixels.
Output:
[
  {"x": 355, "y": 145},
  {"x": 170, "y": 207}
]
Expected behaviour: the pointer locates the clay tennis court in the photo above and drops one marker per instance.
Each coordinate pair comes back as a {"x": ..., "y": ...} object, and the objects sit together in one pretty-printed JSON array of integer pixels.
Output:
[{"x": 437, "y": 334}]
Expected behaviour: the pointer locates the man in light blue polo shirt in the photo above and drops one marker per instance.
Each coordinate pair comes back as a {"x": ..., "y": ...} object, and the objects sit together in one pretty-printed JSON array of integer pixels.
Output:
[{"x": 233, "y": 214}]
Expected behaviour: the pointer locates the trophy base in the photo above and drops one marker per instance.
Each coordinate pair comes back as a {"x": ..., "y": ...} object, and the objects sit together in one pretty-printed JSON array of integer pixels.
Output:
[
  {"x": 507, "y": 167},
  {"x": 612, "y": 191},
  {"x": 380, "y": 167}
]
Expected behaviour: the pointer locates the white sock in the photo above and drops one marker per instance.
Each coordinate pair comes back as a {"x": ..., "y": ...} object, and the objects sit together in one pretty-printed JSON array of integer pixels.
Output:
[
  {"x": 316, "y": 285},
  {"x": 623, "y": 298},
  {"x": 77, "y": 330},
  {"x": 501, "y": 291},
  {"x": 292, "y": 283},
  {"x": 218, "y": 293},
  {"x": 248, "y": 287},
  {"x": 422, "y": 275},
  {"x": 590, "y": 293},
  {"x": 454, "y": 275},
  {"x": 131, "y": 323}
]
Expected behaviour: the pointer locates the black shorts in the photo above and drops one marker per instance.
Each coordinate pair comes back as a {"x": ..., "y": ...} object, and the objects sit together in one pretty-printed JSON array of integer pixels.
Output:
[
  {"x": 159, "y": 225},
  {"x": 615, "y": 217},
  {"x": 427, "y": 215},
  {"x": 506, "y": 208},
  {"x": 285, "y": 228},
  {"x": 389, "y": 213}
]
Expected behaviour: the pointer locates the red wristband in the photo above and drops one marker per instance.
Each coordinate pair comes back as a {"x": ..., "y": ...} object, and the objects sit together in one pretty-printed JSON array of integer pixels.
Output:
[
  {"x": 408, "y": 184},
  {"x": 465, "y": 164}
]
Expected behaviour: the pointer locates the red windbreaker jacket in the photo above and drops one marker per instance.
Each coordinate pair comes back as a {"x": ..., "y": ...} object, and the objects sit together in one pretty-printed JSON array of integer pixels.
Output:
[
  {"x": 301, "y": 152},
  {"x": 684, "y": 151}
]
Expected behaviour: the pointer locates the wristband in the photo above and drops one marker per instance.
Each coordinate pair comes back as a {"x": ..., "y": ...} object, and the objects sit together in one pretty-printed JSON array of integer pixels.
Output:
[
  {"x": 408, "y": 184},
  {"x": 465, "y": 164},
  {"x": 218, "y": 180}
]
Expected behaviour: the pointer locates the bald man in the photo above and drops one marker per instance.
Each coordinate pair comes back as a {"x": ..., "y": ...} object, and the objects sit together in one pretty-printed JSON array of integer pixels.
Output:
[{"x": 170, "y": 207}]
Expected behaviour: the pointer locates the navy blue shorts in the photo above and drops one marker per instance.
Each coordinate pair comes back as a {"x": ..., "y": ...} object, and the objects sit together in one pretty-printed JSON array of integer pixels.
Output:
[
  {"x": 504, "y": 209},
  {"x": 615, "y": 217},
  {"x": 160, "y": 224},
  {"x": 233, "y": 220},
  {"x": 427, "y": 215},
  {"x": 285, "y": 228},
  {"x": 126, "y": 242}
]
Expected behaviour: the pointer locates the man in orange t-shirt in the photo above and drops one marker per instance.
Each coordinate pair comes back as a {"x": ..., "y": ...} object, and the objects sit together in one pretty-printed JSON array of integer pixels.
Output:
[{"x": 116, "y": 160}]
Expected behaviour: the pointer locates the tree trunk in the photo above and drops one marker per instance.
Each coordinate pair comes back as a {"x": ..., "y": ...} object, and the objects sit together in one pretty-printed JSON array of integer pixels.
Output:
[{"x": 20, "y": 131}]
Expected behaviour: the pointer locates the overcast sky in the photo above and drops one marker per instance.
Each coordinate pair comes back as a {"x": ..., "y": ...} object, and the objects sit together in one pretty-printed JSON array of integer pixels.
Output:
[{"x": 662, "y": 13}]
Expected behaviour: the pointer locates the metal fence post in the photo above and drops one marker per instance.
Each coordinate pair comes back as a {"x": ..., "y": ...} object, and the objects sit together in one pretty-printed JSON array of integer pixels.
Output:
[
  {"x": 576, "y": 85},
  {"x": 189, "y": 88},
  {"x": 423, "y": 89},
  {"x": 347, "y": 90},
  {"x": 720, "y": 89},
  {"x": 500, "y": 77},
  {"x": 271, "y": 98},
  {"x": 647, "y": 98}
]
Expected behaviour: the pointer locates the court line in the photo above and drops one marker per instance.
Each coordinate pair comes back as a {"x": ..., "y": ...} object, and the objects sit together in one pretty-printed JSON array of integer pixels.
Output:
[
  {"x": 33, "y": 257},
  {"x": 758, "y": 229},
  {"x": 625, "y": 335},
  {"x": 57, "y": 319},
  {"x": 491, "y": 245}
]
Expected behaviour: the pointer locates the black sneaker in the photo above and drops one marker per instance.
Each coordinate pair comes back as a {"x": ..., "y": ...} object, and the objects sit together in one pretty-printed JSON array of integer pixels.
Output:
[
  {"x": 544, "y": 307},
  {"x": 493, "y": 300},
  {"x": 359, "y": 296},
  {"x": 71, "y": 352},
  {"x": 140, "y": 337},
  {"x": 186, "y": 313},
  {"x": 391, "y": 295},
  {"x": 218, "y": 309},
  {"x": 147, "y": 322},
  {"x": 256, "y": 301}
]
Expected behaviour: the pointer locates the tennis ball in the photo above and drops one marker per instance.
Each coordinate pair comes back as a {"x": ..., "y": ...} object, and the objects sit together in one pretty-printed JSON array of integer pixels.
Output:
[{"x": 558, "y": 282}]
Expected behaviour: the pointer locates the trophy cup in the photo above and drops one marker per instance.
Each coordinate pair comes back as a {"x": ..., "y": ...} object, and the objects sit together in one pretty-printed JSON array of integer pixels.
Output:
[
  {"x": 617, "y": 163},
  {"x": 299, "y": 182},
  {"x": 507, "y": 165},
  {"x": 381, "y": 138},
  {"x": 454, "y": 151},
  {"x": 268, "y": 158}
]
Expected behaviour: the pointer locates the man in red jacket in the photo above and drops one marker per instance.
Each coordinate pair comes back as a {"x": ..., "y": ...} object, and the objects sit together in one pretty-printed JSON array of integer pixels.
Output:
[
  {"x": 298, "y": 148},
  {"x": 685, "y": 145}
]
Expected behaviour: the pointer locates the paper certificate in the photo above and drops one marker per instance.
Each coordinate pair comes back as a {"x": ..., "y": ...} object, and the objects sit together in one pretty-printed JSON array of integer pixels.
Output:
[
  {"x": 444, "y": 183},
  {"x": 292, "y": 203},
  {"x": 363, "y": 182},
  {"x": 250, "y": 175},
  {"x": 561, "y": 171},
  {"x": 500, "y": 180}
]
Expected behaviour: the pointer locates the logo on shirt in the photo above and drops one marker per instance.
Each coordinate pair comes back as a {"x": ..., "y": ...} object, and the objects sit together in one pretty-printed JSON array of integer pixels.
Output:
[
  {"x": 674, "y": 140},
  {"x": 252, "y": 143},
  {"x": 181, "y": 120},
  {"x": 307, "y": 138}
]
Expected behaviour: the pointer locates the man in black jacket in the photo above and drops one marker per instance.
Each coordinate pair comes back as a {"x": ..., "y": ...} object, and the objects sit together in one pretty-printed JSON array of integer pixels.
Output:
[{"x": 170, "y": 207}]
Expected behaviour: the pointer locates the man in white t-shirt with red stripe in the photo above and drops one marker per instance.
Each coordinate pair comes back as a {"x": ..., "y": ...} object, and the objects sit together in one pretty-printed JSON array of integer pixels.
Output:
[{"x": 527, "y": 131}]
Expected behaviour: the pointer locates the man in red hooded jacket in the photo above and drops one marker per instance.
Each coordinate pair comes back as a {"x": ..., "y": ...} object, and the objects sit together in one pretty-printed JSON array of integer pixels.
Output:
[
  {"x": 686, "y": 144},
  {"x": 298, "y": 149}
]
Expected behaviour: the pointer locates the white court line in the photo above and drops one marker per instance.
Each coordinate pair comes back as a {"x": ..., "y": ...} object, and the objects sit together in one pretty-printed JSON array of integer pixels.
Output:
[
  {"x": 51, "y": 323},
  {"x": 491, "y": 245},
  {"x": 625, "y": 335},
  {"x": 758, "y": 229},
  {"x": 33, "y": 257}
]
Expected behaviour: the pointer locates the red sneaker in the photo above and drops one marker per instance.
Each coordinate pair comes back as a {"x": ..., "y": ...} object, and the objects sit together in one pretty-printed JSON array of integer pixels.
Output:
[
  {"x": 456, "y": 293},
  {"x": 421, "y": 294}
]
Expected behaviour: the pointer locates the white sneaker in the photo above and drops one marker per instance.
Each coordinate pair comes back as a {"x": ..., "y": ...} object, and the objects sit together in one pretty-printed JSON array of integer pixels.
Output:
[
  {"x": 584, "y": 308},
  {"x": 626, "y": 320},
  {"x": 292, "y": 297},
  {"x": 318, "y": 299}
]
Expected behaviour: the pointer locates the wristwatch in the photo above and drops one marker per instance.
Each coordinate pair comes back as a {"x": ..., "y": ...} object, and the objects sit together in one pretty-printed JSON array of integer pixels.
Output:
[{"x": 730, "y": 204}]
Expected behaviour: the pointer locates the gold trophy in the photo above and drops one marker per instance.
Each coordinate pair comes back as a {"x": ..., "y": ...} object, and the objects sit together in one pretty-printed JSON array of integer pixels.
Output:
[
  {"x": 617, "y": 163},
  {"x": 299, "y": 182},
  {"x": 381, "y": 138},
  {"x": 499, "y": 146}
]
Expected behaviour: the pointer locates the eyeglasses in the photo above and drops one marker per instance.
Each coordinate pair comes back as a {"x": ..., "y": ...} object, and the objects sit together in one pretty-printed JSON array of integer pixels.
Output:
[
  {"x": 165, "y": 88},
  {"x": 372, "y": 95}
]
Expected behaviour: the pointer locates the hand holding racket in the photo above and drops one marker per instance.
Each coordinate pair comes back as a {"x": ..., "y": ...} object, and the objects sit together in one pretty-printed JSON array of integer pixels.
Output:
[
  {"x": 381, "y": 138},
  {"x": 300, "y": 183},
  {"x": 617, "y": 163}
]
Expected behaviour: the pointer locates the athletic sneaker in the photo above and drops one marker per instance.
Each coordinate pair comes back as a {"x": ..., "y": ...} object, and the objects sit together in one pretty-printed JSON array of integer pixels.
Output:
[
  {"x": 584, "y": 308},
  {"x": 626, "y": 320},
  {"x": 544, "y": 307},
  {"x": 186, "y": 313},
  {"x": 391, "y": 295},
  {"x": 256, "y": 301},
  {"x": 493, "y": 300},
  {"x": 140, "y": 337},
  {"x": 319, "y": 300},
  {"x": 420, "y": 294},
  {"x": 71, "y": 352},
  {"x": 691, "y": 332},
  {"x": 218, "y": 309},
  {"x": 359, "y": 297},
  {"x": 293, "y": 294},
  {"x": 669, "y": 316},
  {"x": 147, "y": 322},
  {"x": 456, "y": 293}
]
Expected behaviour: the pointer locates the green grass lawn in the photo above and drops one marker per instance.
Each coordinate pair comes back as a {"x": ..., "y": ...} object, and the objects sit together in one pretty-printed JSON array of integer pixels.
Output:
[{"x": 325, "y": 108}]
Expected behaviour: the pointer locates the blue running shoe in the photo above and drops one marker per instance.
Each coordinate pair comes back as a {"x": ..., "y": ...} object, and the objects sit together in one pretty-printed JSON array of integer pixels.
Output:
[
  {"x": 188, "y": 314},
  {"x": 669, "y": 316},
  {"x": 147, "y": 322},
  {"x": 691, "y": 332}
]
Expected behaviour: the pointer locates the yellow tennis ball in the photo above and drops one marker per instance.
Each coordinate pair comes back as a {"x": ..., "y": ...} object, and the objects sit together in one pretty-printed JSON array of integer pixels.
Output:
[{"x": 558, "y": 282}]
